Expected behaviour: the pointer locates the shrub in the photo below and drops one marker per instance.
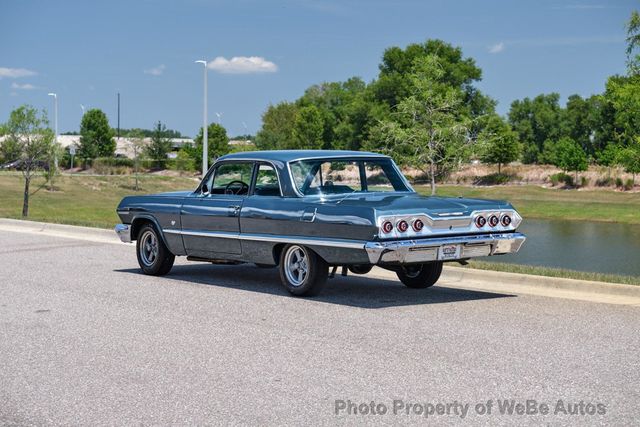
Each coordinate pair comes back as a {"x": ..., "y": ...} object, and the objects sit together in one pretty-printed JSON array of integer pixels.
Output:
[
  {"x": 561, "y": 177},
  {"x": 584, "y": 181},
  {"x": 605, "y": 182},
  {"x": 112, "y": 165},
  {"x": 493, "y": 179},
  {"x": 619, "y": 182},
  {"x": 628, "y": 185}
]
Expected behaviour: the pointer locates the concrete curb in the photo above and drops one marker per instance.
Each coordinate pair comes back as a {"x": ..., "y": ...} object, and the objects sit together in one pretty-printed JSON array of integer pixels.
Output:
[
  {"x": 496, "y": 281},
  {"x": 461, "y": 274},
  {"x": 60, "y": 230}
]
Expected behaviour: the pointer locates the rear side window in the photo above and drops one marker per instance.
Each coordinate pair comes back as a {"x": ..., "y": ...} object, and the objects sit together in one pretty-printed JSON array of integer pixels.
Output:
[{"x": 267, "y": 181}]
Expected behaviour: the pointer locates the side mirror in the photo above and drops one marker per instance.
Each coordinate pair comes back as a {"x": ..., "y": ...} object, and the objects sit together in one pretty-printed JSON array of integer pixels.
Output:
[{"x": 205, "y": 189}]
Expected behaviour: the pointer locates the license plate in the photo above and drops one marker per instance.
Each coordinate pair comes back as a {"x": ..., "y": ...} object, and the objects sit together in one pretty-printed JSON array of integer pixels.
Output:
[{"x": 449, "y": 252}]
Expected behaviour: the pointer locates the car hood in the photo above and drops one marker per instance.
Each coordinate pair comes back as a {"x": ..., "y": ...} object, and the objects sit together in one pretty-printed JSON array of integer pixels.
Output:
[{"x": 397, "y": 204}]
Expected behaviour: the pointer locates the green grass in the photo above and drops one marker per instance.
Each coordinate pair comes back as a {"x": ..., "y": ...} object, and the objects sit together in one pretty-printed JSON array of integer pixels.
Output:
[
  {"x": 547, "y": 203},
  {"x": 80, "y": 200},
  {"x": 553, "y": 272}
]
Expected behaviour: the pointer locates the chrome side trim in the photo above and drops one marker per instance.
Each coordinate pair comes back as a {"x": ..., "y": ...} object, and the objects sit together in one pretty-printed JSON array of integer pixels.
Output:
[
  {"x": 124, "y": 232},
  {"x": 301, "y": 240}
]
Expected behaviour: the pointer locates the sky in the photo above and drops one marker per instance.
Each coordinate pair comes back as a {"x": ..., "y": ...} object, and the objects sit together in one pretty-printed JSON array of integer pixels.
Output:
[{"x": 264, "y": 52}]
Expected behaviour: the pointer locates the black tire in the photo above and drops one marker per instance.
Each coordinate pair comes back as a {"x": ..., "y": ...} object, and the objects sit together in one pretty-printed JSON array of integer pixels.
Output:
[
  {"x": 420, "y": 276},
  {"x": 309, "y": 277},
  {"x": 154, "y": 257}
]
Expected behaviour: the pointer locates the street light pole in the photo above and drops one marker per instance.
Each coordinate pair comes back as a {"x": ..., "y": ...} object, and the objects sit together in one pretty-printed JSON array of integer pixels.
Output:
[
  {"x": 205, "y": 136},
  {"x": 55, "y": 121}
]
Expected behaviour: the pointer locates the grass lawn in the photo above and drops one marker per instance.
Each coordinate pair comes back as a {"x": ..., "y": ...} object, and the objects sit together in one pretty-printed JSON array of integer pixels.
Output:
[
  {"x": 553, "y": 272},
  {"x": 80, "y": 200},
  {"x": 550, "y": 203}
]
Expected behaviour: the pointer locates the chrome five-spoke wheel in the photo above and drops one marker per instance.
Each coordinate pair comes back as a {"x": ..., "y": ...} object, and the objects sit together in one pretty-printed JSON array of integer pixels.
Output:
[
  {"x": 296, "y": 265},
  {"x": 153, "y": 255},
  {"x": 302, "y": 271},
  {"x": 148, "y": 248}
]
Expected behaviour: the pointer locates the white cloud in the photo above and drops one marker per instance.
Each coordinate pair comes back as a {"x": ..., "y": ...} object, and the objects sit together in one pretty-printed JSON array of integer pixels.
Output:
[
  {"x": 26, "y": 86},
  {"x": 496, "y": 48},
  {"x": 156, "y": 71},
  {"x": 242, "y": 65},
  {"x": 14, "y": 73}
]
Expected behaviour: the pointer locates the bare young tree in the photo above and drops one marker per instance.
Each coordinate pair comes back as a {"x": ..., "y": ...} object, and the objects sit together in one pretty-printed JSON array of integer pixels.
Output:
[
  {"x": 431, "y": 127},
  {"x": 137, "y": 146},
  {"x": 29, "y": 131}
]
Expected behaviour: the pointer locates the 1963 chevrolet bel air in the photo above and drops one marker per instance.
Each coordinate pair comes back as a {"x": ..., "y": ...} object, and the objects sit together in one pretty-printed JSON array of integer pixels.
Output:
[{"x": 309, "y": 211}]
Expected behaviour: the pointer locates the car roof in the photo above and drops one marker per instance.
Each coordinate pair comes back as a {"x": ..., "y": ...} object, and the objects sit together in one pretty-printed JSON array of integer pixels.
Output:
[{"x": 292, "y": 155}]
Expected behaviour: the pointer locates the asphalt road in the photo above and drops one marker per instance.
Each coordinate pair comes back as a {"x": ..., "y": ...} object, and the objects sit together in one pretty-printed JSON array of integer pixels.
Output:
[{"x": 85, "y": 339}]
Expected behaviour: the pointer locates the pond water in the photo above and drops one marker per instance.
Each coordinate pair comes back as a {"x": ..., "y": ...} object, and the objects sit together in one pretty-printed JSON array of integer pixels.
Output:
[{"x": 578, "y": 245}]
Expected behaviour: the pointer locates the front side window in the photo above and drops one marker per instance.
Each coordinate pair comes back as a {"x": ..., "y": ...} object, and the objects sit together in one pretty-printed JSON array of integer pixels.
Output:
[
  {"x": 266, "y": 181},
  {"x": 231, "y": 178},
  {"x": 341, "y": 176}
]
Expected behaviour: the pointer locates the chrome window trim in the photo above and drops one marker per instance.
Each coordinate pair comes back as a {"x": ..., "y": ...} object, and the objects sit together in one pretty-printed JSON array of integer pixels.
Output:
[
  {"x": 363, "y": 156},
  {"x": 254, "y": 161}
]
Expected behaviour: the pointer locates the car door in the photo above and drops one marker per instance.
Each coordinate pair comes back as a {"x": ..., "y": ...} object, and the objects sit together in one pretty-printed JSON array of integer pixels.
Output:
[{"x": 210, "y": 218}]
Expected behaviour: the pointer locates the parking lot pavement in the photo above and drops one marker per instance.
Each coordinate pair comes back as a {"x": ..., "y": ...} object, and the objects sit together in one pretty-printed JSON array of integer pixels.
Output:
[{"x": 85, "y": 339}]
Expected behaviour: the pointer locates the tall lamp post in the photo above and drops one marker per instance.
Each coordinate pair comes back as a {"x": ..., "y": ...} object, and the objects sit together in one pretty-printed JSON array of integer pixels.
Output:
[
  {"x": 205, "y": 136},
  {"x": 55, "y": 121}
]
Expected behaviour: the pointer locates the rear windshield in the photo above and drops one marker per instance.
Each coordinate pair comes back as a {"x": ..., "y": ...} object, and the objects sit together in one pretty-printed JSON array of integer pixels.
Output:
[{"x": 340, "y": 176}]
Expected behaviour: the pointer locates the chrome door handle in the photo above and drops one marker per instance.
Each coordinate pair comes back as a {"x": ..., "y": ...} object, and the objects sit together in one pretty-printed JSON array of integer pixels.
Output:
[{"x": 234, "y": 210}]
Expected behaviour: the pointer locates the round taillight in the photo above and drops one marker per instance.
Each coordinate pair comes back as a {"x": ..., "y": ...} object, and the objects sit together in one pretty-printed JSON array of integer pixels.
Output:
[
  {"x": 481, "y": 221},
  {"x": 387, "y": 227},
  {"x": 418, "y": 225},
  {"x": 402, "y": 226},
  {"x": 506, "y": 220},
  {"x": 493, "y": 220}
]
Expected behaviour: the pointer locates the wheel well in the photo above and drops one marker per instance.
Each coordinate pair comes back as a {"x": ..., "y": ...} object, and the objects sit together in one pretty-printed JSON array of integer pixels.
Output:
[
  {"x": 137, "y": 225},
  {"x": 277, "y": 251}
]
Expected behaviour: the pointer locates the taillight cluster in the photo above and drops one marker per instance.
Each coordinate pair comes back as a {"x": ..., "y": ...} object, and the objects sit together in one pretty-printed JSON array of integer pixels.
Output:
[
  {"x": 493, "y": 220},
  {"x": 402, "y": 226}
]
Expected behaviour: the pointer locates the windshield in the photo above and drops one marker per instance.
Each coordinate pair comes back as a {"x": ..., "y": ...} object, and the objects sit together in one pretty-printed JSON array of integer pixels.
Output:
[{"x": 341, "y": 176}]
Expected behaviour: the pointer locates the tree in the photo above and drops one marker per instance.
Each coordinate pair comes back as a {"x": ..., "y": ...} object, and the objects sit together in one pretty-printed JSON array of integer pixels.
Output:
[
  {"x": 609, "y": 157},
  {"x": 500, "y": 144},
  {"x": 30, "y": 133},
  {"x": 96, "y": 136},
  {"x": 159, "y": 146},
  {"x": 624, "y": 95},
  {"x": 431, "y": 126},
  {"x": 307, "y": 128},
  {"x": 569, "y": 156},
  {"x": 629, "y": 158},
  {"x": 633, "y": 43},
  {"x": 536, "y": 121},
  {"x": 137, "y": 146},
  {"x": 277, "y": 127},
  {"x": 217, "y": 144}
]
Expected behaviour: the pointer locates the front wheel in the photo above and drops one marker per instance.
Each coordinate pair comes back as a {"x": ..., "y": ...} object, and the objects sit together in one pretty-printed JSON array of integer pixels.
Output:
[
  {"x": 302, "y": 271},
  {"x": 420, "y": 276},
  {"x": 153, "y": 255}
]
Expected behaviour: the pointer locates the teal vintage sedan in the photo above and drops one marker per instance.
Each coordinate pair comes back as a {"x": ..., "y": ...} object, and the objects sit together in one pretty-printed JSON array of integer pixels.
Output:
[{"x": 310, "y": 212}]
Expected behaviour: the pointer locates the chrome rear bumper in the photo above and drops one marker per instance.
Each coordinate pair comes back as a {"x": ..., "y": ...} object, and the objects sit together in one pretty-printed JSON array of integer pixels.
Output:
[
  {"x": 124, "y": 232},
  {"x": 425, "y": 250}
]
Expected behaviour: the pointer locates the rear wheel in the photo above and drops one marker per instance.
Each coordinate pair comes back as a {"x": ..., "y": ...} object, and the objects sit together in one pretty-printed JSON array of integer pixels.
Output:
[
  {"x": 153, "y": 255},
  {"x": 302, "y": 271},
  {"x": 420, "y": 276}
]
